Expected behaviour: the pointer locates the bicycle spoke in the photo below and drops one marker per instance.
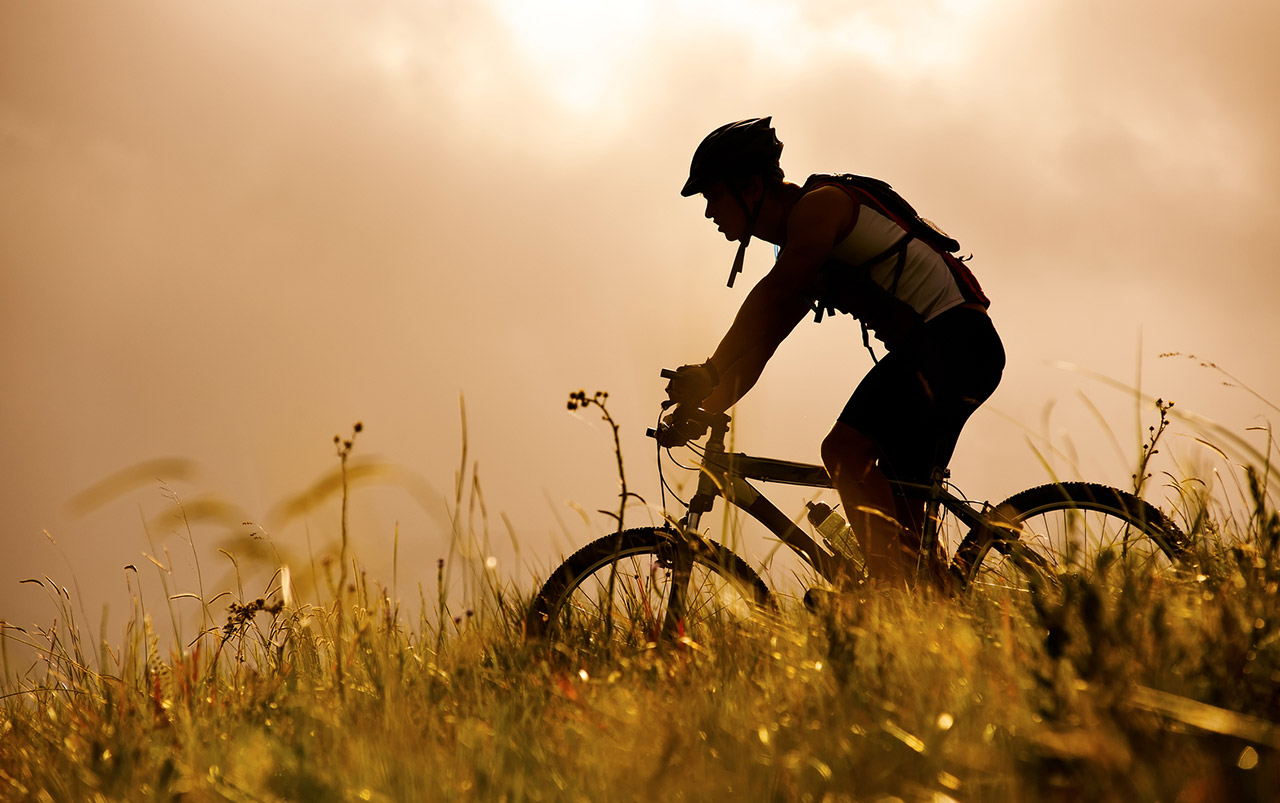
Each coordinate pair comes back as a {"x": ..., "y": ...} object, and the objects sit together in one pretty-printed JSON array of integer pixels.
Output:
[{"x": 1075, "y": 540}]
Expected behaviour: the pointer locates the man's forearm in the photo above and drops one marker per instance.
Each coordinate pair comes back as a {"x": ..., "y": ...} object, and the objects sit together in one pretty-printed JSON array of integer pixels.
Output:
[{"x": 738, "y": 378}]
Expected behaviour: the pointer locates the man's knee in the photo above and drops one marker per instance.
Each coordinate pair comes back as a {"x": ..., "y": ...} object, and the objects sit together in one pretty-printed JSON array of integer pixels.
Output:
[{"x": 848, "y": 452}]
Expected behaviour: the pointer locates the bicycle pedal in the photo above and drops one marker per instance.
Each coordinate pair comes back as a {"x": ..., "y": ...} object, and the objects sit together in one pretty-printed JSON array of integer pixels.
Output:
[{"x": 817, "y": 600}]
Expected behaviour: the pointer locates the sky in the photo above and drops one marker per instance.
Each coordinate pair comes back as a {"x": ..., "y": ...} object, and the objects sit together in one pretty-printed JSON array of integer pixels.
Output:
[{"x": 229, "y": 231}]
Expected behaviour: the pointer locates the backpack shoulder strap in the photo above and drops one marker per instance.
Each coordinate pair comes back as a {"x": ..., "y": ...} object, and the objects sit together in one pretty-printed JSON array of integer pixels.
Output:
[{"x": 881, "y": 196}]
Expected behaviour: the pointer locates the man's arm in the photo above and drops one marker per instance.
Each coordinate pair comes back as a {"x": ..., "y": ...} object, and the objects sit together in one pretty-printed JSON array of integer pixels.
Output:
[
  {"x": 782, "y": 297},
  {"x": 739, "y": 379}
]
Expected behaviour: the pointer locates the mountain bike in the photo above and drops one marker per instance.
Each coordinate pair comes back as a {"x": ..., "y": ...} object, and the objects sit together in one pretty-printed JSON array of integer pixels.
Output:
[{"x": 639, "y": 585}]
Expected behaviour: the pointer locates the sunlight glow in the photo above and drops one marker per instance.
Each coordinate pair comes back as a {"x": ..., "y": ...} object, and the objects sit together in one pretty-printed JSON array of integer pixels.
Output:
[
  {"x": 581, "y": 50},
  {"x": 577, "y": 47}
]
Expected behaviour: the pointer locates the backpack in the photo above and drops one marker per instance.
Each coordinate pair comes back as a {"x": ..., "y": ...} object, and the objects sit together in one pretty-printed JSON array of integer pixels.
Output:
[{"x": 882, "y": 197}]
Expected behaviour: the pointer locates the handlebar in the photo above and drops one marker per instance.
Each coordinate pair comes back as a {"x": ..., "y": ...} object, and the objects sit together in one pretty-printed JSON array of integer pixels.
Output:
[{"x": 709, "y": 420}]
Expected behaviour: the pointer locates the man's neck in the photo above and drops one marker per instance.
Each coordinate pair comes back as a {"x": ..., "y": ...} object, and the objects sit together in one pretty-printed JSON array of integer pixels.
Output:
[{"x": 777, "y": 202}]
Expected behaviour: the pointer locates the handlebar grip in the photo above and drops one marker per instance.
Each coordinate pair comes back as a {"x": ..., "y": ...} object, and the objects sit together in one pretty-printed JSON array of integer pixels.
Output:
[
  {"x": 651, "y": 433},
  {"x": 669, "y": 373}
]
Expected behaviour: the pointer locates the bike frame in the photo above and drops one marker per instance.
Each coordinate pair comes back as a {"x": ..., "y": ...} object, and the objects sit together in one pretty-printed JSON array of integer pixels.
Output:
[{"x": 728, "y": 474}]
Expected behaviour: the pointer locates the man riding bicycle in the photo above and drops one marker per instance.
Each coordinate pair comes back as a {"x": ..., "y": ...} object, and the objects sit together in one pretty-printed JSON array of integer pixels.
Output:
[{"x": 843, "y": 248}]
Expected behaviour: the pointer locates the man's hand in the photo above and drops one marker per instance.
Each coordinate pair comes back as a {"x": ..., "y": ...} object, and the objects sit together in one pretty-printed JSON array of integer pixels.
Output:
[
  {"x": 678, "y": 428},
  {"x": 693, "y": 383}
]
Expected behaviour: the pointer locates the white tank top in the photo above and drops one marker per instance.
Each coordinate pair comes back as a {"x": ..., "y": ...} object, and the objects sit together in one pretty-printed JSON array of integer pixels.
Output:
[{"x": 926, "y": 282}]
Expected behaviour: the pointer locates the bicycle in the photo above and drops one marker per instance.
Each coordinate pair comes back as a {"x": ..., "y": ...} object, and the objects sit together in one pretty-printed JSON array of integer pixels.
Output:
[{"x": 641, "y": 584}]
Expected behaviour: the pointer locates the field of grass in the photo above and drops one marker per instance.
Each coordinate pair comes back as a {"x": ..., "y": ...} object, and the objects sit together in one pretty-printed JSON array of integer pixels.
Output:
[{"x": 1119, "y": 685}]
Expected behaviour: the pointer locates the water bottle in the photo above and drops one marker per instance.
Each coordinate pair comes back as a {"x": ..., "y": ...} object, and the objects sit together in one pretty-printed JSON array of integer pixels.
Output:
[{"x": 836, "y": 532}]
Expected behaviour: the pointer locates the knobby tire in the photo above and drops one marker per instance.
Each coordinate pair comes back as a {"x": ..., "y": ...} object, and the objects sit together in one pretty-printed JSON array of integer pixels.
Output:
[
  {"x": 640, "y": 566},
  {"x": 1067, "y": 527}
]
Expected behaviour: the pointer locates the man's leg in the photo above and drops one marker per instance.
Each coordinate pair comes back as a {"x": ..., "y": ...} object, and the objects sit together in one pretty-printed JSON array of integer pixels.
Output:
[{"x": 850, "y": 459}]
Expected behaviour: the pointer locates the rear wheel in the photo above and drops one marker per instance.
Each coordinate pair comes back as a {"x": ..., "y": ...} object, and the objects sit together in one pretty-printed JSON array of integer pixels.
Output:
[
  {"x": 1073, "y": 527},
  {"x": 634, "y": 587}
]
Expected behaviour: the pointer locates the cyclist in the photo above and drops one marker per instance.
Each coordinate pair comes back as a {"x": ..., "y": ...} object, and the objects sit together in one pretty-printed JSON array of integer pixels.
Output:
[{"x": 839, "y": 249}]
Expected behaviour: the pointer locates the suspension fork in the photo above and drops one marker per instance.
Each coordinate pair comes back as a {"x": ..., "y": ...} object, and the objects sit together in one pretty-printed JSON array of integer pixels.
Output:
[{"x": 681, "y": 557}]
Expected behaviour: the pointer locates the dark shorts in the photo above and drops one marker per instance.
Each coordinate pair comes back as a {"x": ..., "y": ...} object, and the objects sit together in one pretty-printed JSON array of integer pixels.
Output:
[{"x": 915, "y": 401}]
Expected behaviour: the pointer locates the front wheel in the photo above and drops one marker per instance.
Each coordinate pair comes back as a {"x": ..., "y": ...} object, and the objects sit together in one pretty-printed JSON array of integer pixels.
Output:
[
  {"x": 634, "y": 587},
  {"x": 1043, "y": 532}
]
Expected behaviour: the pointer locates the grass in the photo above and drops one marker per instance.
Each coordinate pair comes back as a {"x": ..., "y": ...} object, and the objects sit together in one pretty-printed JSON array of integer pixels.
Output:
[{"x": 1119, "y": 686}]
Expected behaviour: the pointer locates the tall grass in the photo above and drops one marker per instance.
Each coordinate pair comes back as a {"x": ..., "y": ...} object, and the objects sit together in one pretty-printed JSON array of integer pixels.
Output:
[{"x": 1121, "y": 685}]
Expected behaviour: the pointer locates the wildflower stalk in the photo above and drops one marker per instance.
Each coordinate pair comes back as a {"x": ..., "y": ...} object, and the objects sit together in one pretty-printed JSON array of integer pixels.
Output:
[
  {"x": 344, "y": 451},
  {"x": 1148, "y": 449},
  {"x": 580, "y": 399},
  {"x": 442, "y": 608}
]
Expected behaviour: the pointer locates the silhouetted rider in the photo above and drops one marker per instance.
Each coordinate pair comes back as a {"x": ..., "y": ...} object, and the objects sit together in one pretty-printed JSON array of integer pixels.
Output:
[{"x": 844, "y": 250}]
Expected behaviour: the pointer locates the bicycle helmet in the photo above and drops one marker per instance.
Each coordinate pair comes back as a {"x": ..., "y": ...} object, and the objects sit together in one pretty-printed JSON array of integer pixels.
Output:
[{"x": 747, "y": 147}]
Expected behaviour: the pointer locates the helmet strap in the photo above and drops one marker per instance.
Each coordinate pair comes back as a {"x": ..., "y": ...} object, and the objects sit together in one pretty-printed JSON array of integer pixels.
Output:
[
  {"x": 738, "y": 260},
  {"x": 740, "y": 257}
]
